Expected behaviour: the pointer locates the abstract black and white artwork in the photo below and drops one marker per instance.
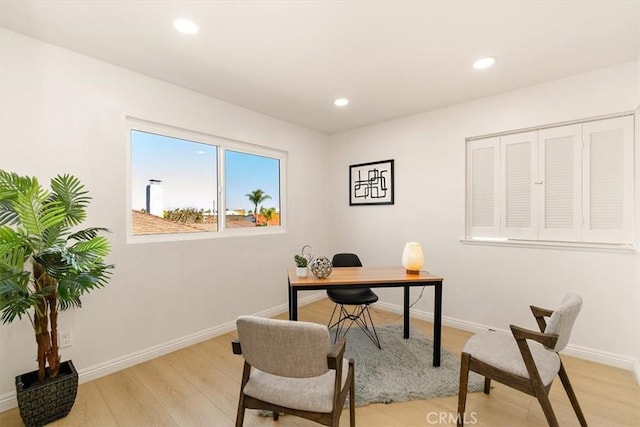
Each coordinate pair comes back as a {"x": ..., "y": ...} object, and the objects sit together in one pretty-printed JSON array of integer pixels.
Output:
[{"x": 371, "y": 183}]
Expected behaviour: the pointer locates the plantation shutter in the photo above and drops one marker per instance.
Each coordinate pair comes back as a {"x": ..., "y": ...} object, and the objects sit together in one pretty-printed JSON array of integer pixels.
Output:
[
  {"x": 518, "y": 165},
  {"x": 571, "y": 183},
  {"x": 608, "y": 178},
  {"x": 482, "y": 185},
  {"x": 560, "y": 180}
]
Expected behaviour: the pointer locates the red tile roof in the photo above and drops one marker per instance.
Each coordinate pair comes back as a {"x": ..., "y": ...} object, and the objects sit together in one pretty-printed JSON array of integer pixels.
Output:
[{"x": 144, "y": 223}]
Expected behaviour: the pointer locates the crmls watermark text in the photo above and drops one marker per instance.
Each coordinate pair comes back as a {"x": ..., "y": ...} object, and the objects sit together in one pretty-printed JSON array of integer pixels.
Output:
[{"x": 451, "y": 418}]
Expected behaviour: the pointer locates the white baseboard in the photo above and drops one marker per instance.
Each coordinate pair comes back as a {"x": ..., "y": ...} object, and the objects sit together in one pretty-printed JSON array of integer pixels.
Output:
[
  {"x": 604, "y": 357},
  {"x": 8, "y": 400}
]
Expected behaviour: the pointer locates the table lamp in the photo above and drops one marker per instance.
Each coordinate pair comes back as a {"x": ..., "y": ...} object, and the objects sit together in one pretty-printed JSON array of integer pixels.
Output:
[{"x": 412, "y": 257}]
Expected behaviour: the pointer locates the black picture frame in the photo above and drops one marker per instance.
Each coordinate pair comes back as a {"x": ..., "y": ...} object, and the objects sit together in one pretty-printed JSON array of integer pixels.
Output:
[{"x": 371, "y": 183}]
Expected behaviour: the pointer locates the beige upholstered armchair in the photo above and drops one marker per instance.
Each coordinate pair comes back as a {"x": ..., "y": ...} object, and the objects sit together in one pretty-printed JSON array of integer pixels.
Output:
[
  {"x": 527, "y": 361},
  {"x": 291, "y": 367}
]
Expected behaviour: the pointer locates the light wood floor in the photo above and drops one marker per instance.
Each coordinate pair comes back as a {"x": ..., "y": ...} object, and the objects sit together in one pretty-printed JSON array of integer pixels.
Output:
[{"x": 198, "y": 386}]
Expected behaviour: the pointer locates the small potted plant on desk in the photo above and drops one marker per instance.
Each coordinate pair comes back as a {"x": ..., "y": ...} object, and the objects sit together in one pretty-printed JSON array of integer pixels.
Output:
[
  {"x": 45, "y": 267},
  {"x": 301, "y": 266}
]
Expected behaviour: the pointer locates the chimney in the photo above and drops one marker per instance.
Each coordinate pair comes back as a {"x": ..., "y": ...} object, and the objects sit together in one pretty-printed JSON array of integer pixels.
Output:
[{"x": 154, "y": 197}]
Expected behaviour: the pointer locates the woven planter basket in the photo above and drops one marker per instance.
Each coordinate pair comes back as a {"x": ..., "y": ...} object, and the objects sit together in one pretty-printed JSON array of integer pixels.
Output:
[{"x": 43, "y": 403}]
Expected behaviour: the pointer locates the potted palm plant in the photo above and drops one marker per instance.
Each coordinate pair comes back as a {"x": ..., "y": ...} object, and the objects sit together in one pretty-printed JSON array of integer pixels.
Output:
[{"x": 46, "y": 265}]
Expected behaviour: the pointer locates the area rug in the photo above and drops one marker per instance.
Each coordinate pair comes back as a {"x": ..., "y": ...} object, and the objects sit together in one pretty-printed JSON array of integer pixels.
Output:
[{"x": 403, "y": 369}]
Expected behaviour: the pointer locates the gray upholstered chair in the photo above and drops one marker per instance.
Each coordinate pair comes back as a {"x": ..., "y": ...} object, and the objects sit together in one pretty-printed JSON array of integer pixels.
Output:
[
  {"x": 527, "y": 361},
  {"x": 291, "y": 367}
]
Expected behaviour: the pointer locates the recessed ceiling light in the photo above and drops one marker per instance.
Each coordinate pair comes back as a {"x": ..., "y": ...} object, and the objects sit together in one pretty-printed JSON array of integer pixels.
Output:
[
  {"x": 341, "y": 102},
  {"x": 483, "y": 63},
  {"x": 185, "y": 26}
]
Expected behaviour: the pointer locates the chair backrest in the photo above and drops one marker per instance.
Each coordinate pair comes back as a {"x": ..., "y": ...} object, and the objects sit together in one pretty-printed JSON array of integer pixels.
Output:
[
  {"x": 284, "y": 348},
  {"x": 346, "y": 260},
  {"x": 562, "y": 319}
]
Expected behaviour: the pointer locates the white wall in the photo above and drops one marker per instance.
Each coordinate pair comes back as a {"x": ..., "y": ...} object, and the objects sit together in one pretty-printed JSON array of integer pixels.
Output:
[
  {"x": 62, "y": 112},
  {"x": 488, "y": 285}
]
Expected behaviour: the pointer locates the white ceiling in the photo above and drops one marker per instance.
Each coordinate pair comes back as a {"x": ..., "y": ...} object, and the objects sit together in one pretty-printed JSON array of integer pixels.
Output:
[{"x": 291, "y": 59}]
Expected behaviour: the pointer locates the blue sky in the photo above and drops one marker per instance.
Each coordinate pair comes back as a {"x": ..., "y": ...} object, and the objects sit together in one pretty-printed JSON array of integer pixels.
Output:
[
  {"x": 188, "y": 171},
  {"x": 247, "y": 172}
]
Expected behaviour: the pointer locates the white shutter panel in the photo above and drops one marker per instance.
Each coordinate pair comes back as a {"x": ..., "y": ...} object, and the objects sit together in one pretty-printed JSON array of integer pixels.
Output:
[
  {"x": 560, "y": 183},
  {"x": 608, "y": 191},
  {"x": 518, "y": 165},
  {"x": 482, "y": 188}
]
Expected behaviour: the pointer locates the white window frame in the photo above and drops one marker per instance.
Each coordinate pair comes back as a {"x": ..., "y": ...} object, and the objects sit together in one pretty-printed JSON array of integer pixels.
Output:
[
  {"x": 223, "y": 144},
  {"x": 580, "y": 236}
]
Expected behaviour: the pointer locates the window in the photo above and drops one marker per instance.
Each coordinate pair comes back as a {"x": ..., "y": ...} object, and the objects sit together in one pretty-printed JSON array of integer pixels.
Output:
[
  {"x": 570, "y": 183},
  {"x": 252, "y": 185},
  {"x": 193, "y": 185}
]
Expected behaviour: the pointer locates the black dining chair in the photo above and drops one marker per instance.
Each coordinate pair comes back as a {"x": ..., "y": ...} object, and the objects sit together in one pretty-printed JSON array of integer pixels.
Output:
[{"x": 359, "y": 299}]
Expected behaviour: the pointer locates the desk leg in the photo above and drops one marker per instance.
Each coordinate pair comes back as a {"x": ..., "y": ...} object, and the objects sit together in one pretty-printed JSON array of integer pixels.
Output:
[
  {"x": 437, "y": 324},
  {"x": 293, "y": 303},
  {"x": 406, "y": 312}
]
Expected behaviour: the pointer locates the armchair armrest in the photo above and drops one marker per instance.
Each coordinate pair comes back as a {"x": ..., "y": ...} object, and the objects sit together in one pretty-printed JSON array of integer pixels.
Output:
[
  {"x": 235, "y": 345},
  {"x": 521, "y": 334},
  {"x": 334, "y": 358},
  {"x": 540, "y": 313},
  {"x": 334, "y": 361}
]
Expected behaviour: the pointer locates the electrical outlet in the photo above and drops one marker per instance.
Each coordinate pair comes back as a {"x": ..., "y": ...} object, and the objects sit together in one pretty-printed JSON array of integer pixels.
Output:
[{"x": 64, "y": 338}]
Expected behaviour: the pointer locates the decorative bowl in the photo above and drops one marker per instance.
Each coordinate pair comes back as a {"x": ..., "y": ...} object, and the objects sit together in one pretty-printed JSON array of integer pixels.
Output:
[{"x": 321, "y": 267}]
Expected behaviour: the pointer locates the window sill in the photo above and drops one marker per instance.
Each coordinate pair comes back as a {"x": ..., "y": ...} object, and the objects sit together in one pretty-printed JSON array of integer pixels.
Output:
[
  {"x": 576, "y": 246},
  {"x": 178, "y": 237}
]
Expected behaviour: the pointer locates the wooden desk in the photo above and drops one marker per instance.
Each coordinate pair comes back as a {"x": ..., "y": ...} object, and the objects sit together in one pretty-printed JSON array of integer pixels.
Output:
[{"x": 373, "y": 277}]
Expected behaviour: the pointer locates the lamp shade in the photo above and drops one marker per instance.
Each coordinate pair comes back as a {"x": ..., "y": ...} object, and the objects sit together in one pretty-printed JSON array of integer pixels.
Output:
[{"x": 412, "y": 257}]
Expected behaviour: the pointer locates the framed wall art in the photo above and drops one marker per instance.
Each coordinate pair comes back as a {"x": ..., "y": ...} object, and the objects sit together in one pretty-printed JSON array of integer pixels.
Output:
[{"x": 371, "y": 183}]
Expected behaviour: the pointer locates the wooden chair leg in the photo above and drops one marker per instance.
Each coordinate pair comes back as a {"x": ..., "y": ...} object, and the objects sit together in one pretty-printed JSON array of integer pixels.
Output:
[
  {"x": 572, "y": 396},
  {"x": 487, "y": 385},
  {"x": 240, "y": 414},
  {"x": 545, "y": 403},
  {"x": 246, "y": 371},
  {"x": 464, "y": 383},
  {"x": 352, "y": 396}
]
